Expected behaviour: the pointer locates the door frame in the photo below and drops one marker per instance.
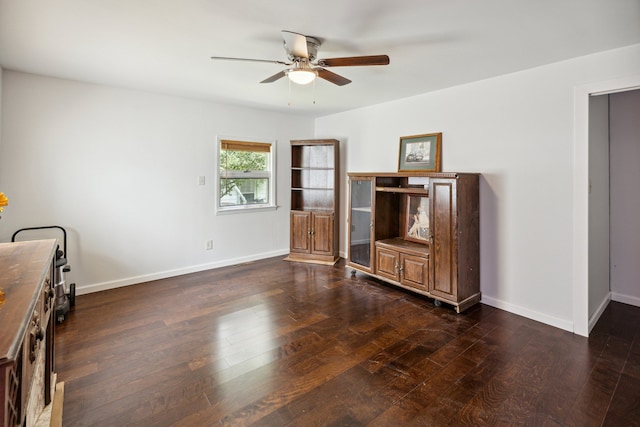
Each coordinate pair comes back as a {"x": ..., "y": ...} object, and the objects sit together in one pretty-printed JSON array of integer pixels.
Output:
[{"x": 582, "y": 324}]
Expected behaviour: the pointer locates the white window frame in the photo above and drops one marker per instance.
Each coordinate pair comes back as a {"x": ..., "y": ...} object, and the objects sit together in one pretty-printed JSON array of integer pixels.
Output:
[{"x": 270, "y": 174}]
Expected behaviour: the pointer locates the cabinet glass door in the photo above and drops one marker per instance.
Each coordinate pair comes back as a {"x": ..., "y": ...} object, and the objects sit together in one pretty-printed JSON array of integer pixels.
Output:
[{"x": 360, "y": 222}]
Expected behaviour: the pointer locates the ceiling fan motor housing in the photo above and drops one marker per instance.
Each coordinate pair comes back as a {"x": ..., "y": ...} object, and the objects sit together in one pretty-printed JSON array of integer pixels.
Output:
[{"x": 312, "y": 49}]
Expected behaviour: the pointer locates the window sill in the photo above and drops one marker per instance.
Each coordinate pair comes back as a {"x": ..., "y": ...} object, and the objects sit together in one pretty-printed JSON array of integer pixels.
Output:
[{"x": 244, "y": 209}]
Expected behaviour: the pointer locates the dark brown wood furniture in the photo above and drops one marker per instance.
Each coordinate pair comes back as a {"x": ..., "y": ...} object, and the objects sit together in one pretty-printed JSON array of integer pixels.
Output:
[
  {"x": 27, "y": 329},
  {"x": 314, "y": 201},
  {"x": 443, "y": 262}
]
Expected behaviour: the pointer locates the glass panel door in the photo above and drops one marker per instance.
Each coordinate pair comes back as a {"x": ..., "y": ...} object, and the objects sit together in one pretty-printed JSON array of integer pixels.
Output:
[{"x": 360, "y": 222}]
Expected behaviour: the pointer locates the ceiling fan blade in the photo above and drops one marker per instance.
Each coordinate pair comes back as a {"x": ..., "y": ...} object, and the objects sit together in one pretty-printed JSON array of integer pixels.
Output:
[
  {"x": 353, "y": 61},
  {"x": 296, "y": 44},
  {"x": 332, "y": 77},
  {"x": 275, "y": 77},
  {"x": 226, "y": 58}
]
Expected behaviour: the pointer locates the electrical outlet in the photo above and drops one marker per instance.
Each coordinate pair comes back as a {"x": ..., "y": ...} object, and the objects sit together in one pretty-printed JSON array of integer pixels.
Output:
[
  {"x": 209, "y": 245},
  {"x": 201, "y": 180}
]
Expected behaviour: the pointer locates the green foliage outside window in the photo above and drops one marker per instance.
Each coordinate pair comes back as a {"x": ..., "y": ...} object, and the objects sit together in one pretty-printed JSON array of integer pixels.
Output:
[
  {"x": 243, "y": 160},
  {"x": 239, "y": 161}
]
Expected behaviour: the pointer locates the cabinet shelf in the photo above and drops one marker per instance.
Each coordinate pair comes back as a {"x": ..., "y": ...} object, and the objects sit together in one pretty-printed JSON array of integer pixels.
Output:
[
  {"x": 314, "y": 210},
  {"x": 404, "y": 245},
  {"x": 404, "y": 190},
  {"x": 313, "y": 178},
  {"x": 309, "y": 168},
  {"x": 311, "y": 188},
  {"x": 316, "y": 156}
]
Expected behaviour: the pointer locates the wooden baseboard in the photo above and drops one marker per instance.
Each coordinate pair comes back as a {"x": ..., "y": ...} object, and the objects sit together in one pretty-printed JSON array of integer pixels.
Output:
[
  {"x": 51, "y": 416},
  {"x": 56, "y": 406}
]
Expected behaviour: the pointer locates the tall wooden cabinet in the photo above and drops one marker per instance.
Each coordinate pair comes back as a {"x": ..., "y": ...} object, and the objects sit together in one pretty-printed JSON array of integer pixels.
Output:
[
  {"x": 419, "y": 231},
  {"x": 314, "y": 201}
]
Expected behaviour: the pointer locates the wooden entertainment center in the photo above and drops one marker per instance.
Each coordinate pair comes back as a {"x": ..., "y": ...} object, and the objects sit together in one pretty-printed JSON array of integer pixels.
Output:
[
  {"x": 418, "y": 231},
  {"x": 27, "y": 322}
]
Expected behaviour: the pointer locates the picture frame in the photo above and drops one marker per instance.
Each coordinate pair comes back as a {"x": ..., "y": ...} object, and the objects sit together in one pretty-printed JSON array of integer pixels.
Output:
[
  {"x": 420, "y": 153},
  {"x": 417, "y": 219}
]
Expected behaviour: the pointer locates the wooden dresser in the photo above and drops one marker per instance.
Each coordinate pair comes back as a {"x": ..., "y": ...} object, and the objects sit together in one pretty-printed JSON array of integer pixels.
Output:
[{"x": 26, "y": 330}]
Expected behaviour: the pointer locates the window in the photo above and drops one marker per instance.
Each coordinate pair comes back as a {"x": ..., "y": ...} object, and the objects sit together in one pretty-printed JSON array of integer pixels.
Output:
[{"x": 246, "y": 171}]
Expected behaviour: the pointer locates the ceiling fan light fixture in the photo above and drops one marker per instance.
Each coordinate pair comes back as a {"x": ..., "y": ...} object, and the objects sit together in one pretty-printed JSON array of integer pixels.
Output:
[{"x": 302, "y": 76}]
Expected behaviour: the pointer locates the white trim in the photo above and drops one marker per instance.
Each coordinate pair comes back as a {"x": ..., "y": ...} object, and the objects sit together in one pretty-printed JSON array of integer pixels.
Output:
[
  {"x": 581, "y": 193},
  {"x": 246, "y": 208},
  {"x": 581, "y": 212},
  {"x": 97, "y": 287},
  {"x": 596, "y": 316},
  {"x": 625, "y": 299},
  {"x": 565, "y": 324}
]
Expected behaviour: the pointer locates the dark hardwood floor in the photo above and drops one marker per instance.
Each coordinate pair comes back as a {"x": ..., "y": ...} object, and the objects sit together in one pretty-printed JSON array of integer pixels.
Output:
[{"x": 277, "y": 343}]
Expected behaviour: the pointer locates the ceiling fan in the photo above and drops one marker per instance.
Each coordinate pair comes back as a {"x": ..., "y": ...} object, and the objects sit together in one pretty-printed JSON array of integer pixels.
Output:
[{"x": 303, "y": 64}]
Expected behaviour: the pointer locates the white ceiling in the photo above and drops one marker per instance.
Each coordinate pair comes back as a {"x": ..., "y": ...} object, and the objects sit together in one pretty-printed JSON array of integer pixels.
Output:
[{"x": 165, "y": 45}]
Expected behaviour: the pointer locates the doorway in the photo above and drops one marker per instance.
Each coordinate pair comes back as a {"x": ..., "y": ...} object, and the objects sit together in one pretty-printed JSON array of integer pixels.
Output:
[
  {"x": 624, "y": 134},
  {"x": 588, "y": 234}
]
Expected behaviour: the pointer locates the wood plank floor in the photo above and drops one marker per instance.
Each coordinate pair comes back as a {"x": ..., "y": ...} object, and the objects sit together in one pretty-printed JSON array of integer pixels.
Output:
[{"x": 277, "y": 343}]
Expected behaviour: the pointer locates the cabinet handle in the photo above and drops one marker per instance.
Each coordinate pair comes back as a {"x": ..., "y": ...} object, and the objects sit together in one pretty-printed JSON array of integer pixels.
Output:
[
  {"x": 39, "y": 333},
  {"x": 48, "y": 295},
  {"x": 36, "y": 335},
  {"x": 401, "y": 270},
  {"x": 33, "y": 347}
]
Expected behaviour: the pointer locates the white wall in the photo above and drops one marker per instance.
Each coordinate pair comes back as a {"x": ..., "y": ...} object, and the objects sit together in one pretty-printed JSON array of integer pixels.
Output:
[
  {"x": 1, "y": 115},
  {"x": 599, "y": 293},
  {"x": 517, "y": 130},
  {"x": 625, "y": 197},
  {"x": 118, "y": 169}
]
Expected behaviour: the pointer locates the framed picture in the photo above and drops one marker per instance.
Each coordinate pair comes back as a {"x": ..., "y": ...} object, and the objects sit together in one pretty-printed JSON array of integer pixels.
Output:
[
  {"x": 420, "y": 153},
  {"x": 417, "y": 220}
]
